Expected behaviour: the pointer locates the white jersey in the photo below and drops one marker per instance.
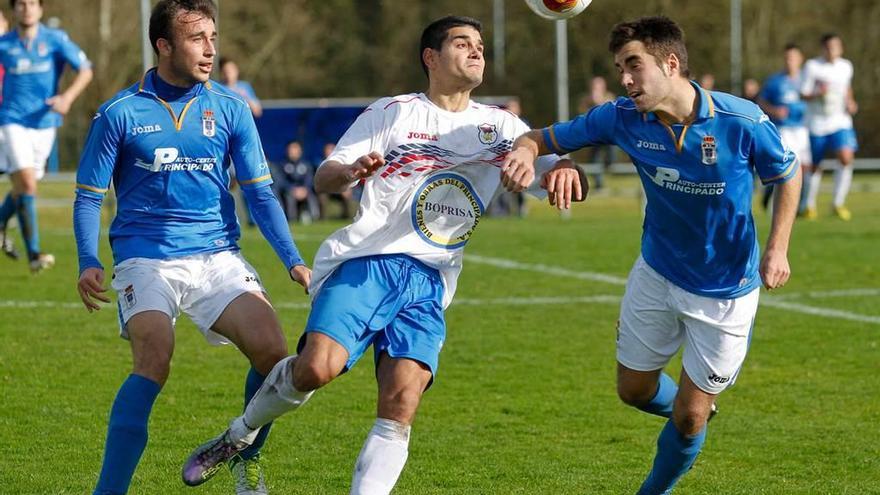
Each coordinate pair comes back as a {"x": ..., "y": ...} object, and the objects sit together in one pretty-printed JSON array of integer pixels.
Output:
[
  {"x": 441, "y": 170},
  {"x": 827, "y": 114}
]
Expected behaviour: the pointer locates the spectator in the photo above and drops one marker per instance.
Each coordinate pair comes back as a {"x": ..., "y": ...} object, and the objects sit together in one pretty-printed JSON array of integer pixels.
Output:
[
  {"x": 751, "y": 89},
  {"x": 229, "y": 76},
  {"x": 707, "y": 81},
  {"x": 295, "y": 186},
  {"x": 600, "y": 156}
]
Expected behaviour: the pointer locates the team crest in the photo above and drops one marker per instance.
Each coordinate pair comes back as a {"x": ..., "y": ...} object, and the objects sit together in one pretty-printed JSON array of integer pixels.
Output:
[
  {"x": 128, "y": 297},
  {"x": 209, "y": 125},
  {"x": 710, "y": 157},
  {"x": 42, "y": 49},
  {"x": 488, "y": 133}
]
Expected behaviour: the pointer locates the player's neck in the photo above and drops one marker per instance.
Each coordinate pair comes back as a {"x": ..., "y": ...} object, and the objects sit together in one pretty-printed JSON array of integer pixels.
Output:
[
  {"x": 682, "y": 105},
  {"x": 28, "y": 32},
  {"x": 168, "y": 77},
  {"x": 451, "y": 101}
]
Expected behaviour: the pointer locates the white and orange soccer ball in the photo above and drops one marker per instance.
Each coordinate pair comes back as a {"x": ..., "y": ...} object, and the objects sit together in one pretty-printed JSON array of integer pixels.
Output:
[{"x": 556, "y": 10}]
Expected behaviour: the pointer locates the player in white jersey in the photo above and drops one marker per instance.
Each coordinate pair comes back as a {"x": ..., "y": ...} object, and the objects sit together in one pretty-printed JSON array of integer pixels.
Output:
[
  {"x": 429, "y": 162},
  {"x": 827, "y": 85}
]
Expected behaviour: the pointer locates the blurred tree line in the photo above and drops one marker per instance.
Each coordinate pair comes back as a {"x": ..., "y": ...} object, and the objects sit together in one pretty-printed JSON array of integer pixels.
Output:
[{"x": 369, "y": 48}]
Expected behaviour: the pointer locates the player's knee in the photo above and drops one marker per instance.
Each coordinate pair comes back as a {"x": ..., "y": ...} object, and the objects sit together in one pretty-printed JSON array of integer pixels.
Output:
[
  {"x": 310, "y": 374},
  {"x": 633, "y": 396},
  {"x": 400, "y": 405},
  {"x": 690, "y": 421},
  {"x": 266, "y": 359},
  {"x": 156, "y": 368}
]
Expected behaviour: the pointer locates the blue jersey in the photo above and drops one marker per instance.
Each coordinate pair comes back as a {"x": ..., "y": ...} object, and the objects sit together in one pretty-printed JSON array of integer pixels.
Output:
[
  {"x": 781, "y": 90},
  {"x": 169, "y": 159},
  {"x": 33, "y": 69},
  {"x": 698, "y": 228},
  {"x": 245, "y": 90}
]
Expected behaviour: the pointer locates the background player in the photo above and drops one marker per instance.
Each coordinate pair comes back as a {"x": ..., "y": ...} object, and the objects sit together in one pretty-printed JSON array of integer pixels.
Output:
[
  {"x": 780, "y": 97},
  {"x": 34, "y": 57},
  {"x": 167, "y": 142},
  {"x": 827, "y": 85},
  {"x": 430, "y": 162},
  {"x": 696, "y": 281}
]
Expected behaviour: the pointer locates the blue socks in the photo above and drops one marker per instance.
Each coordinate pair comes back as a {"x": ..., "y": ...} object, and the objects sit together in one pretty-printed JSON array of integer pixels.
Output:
[
  {"x": 126, "y": 434},
  {"x": 7, "y": 209},
  {"x": 661, "y": 404},
  {"x": 251, "y": 385},
  {"x": 676, "y": 454},
  {"x": 27, "y": 218}
]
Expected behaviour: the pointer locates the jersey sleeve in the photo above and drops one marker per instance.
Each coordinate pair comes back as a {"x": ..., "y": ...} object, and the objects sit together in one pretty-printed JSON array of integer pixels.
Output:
[
  {"x": 589, "y": 129},
  {"x": 808, "y": 78},
  {"x": 246, "y": 150},
  {"x": 99, "y": 155},
  {"x": 769, "y": 91},
  {"x": 72, "y": 54},
  {"x": 368, "y": 133},
  {"x": 772, "y": 160}
]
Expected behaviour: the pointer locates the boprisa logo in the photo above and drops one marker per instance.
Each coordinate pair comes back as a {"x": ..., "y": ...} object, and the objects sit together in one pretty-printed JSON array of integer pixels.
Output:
[
  {"x": 144, "y": 129},
  {"x": 650, "y": 146}
]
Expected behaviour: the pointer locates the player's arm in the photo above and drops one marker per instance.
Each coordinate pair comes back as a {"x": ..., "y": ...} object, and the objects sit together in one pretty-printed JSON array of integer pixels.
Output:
[
  {"x": 565, "y": 182},
  {"x": 75, "y": 57},
  {"x": 92, "y": 183},
  {"x": 778, "y": 166},
  {"x": 335, "y": 177},
  {"x": 253, "y": 175},
  {"x": 779, "y": 112},
  {"x": 851, "y": 106}
]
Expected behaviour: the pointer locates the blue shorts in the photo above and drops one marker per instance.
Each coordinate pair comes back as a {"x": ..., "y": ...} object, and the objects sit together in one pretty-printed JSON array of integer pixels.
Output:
[
  {"x": 393, "y": 302},
  {"x": 834, "y": 142}
]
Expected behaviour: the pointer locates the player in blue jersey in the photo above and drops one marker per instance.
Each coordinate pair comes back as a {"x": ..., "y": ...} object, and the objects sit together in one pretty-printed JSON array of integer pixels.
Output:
[
  {"x": 780, "y": 98},
  {"x": 696, "y": 282},
  {"x": 34, "y": 57},
  {"x": 167, "y": 143}
]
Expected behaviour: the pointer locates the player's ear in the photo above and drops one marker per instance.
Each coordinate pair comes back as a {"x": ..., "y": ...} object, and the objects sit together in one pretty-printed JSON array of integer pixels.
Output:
[
  {"x": 164, "y": 47},
  {"x": 429, "y": 56},
  {"x": 673, "y": 65}
]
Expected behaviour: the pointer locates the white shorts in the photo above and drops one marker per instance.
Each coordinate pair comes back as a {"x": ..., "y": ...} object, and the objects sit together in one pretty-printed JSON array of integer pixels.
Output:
[
  {"x": 657, "y": 317},
  {"x": 201, "y": 286},
  {"x": 797, "y": 139},
  {"x": 23, "y": 147}
]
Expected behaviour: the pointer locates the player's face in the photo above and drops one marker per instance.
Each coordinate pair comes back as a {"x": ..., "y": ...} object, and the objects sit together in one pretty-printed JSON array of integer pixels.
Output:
[
  {"x": 793, "y": 60},
  {"x": 230, "y": 72},
  {"x": 833, "y": 49},
  {"x": 192, "y": 51},
  {"x": 460, "y": 58},
  {"x": 28, "y": 12},
  {"x": 646, "y": 83}
]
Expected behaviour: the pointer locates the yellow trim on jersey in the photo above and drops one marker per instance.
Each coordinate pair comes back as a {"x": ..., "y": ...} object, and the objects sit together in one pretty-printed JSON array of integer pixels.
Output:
[
  {"x": 553, "y": 139},
  {"x": 178, "y": 121},
  {"x": 91, "y": 188},
  {"x": 794, "y": 163},
  {"x": 679, "y": 141},
  {"x": 258, "y": 179},
  {"x": 709, "y": 102}
]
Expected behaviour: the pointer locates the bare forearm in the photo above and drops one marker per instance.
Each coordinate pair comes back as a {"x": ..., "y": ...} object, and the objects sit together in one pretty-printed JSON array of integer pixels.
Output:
[
  {"x": 785, "y": 204},
  {"x": 82, "y": 79},
  {"x": 333, "y": 177},
  {"x": 532, "y": 141}
]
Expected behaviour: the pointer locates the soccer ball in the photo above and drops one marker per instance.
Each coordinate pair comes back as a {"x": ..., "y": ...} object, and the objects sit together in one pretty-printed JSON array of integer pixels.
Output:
[{"x": 556, "y": 10}]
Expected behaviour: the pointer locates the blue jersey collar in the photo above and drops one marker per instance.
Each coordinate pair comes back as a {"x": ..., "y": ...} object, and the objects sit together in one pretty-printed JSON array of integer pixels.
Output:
[
  {"x": 147, "y": 85},
  {"x": 706, "y": 110}
]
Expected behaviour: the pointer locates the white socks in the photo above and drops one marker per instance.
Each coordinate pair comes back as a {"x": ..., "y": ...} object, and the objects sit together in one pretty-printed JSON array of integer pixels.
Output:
[
  {"x": 381, "y": 459},
  {"x": 275, "y": 397},
  {"x": 842, "y": 182},
  {"x": 813, "y": 191}
]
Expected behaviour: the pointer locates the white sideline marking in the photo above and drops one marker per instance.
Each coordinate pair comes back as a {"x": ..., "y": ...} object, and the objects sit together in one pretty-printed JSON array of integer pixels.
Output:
[
  {"x": 830, "y": 293},
  {"x": 765, "y": 300}
]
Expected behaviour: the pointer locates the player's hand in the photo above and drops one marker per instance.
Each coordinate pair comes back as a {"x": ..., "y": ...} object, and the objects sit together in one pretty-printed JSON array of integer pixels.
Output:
[
  {"x": 59, "y": 103},
  {"x": 91, "y": 288},
  {"x": 852, "y": 107},
  {"x": 563, "y": 184},
  {"x": 301, "y": 275},
  {"x": 365, "y": 166},
  {"x": 518, "y": 170},
  {"x": 774, "y": 269}
]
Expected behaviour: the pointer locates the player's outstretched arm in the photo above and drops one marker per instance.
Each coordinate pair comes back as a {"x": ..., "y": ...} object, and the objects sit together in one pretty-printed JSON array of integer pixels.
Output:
[
  {"x": 775, "y": 269},
  {"x": 61, "y": 102},
  {"x": 518, "y": 169},
  {"x": 565, "y": 183},
  {"x": 335, "y": 177}
]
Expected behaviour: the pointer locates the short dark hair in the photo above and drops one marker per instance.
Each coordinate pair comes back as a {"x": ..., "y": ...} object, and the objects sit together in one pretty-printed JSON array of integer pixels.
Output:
[
  {"x": 164, "y": 13},
  {"x": 435, "y": 34},
  {"x": 792, "y": 46},
  {"x": 828, "y": 37},
  {"x": 225, "y": 60},
  {"x": 13, "y": 2},
  {"x": 660, "y": 35}
]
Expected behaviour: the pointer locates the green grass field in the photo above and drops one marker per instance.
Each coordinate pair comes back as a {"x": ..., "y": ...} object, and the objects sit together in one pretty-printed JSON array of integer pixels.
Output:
[{"x": 525, "y": 400}]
